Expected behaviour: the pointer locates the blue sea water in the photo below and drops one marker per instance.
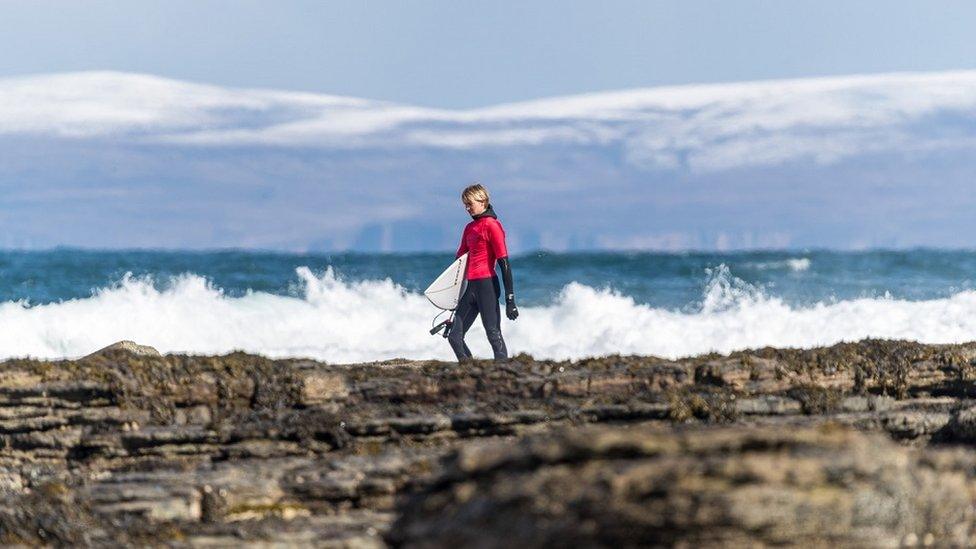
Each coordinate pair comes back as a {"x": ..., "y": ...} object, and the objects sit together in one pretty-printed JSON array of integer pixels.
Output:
[
  {"x": 353, "y": 306},
  {"x": 669, "y": 280}
]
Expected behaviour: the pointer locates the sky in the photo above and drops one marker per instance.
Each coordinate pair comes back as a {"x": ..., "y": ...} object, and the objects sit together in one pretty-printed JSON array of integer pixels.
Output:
[
  {"x": 126, "y": 151},
  {"x": 462, "y": 54}
]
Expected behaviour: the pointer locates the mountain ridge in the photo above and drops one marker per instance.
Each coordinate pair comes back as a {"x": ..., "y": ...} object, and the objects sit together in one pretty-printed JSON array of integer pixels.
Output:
[
  {"x": 656, "y": 124},
  {"x": 116, "y": 160}
]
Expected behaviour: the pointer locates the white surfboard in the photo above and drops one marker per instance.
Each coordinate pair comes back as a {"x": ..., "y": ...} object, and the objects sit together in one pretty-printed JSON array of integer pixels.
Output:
[{"x": 445, "y": 291}]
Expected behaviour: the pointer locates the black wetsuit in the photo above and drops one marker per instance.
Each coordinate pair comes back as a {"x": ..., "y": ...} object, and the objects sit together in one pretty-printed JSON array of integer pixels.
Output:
[{"x": 481, "y": 296}]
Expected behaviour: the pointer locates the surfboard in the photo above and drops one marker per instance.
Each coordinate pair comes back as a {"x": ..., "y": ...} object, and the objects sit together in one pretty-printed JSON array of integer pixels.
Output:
[{"x": 445, "y": 291}]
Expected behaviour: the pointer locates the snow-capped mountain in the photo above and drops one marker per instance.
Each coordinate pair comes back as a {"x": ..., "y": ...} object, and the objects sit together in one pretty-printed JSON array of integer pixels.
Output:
[{"x": 117, "y": 159}]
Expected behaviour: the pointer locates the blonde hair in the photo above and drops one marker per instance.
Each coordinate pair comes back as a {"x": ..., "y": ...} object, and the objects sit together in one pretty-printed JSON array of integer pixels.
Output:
[{"x": 476, "y": 192}]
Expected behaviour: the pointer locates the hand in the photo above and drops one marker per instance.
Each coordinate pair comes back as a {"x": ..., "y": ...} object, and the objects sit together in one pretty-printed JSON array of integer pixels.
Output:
[{"x": 511, "y": 311}]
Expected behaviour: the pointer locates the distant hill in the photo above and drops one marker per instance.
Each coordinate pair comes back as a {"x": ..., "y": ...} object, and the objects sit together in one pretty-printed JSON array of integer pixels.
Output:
[{"x": 105, "y": 159}]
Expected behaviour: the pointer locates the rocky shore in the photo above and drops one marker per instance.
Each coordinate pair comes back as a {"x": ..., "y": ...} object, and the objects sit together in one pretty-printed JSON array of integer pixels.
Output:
[{"x": 858, "y": 444}]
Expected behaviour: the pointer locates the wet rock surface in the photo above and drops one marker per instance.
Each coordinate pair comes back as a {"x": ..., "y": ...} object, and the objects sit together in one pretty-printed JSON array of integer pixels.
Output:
[
  {"x": 857, "y": 444},
  {"x": 827, "y": 486}
]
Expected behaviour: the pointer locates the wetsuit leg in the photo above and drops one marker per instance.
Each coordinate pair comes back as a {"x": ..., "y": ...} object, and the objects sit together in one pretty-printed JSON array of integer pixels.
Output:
[
  {"x": 464, "y": 316},
  {"x": 491, "y": 318}
]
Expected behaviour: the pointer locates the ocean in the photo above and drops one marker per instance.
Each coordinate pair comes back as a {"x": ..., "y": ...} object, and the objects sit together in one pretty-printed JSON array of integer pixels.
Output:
[{"x": 353, "y": 307}]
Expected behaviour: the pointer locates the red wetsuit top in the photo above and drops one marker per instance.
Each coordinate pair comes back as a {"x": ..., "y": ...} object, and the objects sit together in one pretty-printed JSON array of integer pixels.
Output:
[{"x": 484, "y": 241}]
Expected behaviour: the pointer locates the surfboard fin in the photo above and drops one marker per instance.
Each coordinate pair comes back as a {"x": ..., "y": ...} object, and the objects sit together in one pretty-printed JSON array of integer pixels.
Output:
[{"x": 446, "y": 326}]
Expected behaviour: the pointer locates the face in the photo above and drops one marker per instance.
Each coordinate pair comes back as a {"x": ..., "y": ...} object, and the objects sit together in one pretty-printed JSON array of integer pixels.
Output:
[{"x": 474, "y": 207}]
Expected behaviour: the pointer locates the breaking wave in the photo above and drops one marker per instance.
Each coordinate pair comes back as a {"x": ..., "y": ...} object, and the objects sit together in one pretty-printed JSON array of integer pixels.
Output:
[
  {"x": 795, "y": 264},
  {"x": 335, "y": 320}
]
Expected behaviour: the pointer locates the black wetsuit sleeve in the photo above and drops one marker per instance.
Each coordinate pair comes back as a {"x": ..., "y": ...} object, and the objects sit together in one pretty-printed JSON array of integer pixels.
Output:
[{"x": 506, "y": 267}]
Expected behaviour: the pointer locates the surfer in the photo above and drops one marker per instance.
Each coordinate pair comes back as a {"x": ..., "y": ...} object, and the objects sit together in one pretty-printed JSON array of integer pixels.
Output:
[{"x": 484, "y": 242}]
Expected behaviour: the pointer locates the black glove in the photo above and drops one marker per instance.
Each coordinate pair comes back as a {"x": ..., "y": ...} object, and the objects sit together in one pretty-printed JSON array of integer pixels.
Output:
[{"x": 511, "y": 311}]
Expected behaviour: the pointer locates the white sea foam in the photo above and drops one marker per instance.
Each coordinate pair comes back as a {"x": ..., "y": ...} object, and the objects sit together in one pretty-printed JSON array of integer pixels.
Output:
[
  {"x": 795, "y": 264},
  {"x": 338, "y": 321}
]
